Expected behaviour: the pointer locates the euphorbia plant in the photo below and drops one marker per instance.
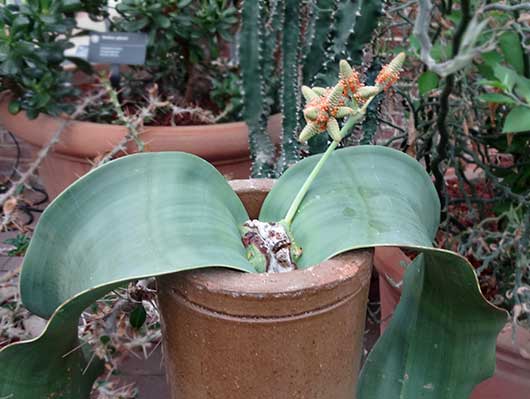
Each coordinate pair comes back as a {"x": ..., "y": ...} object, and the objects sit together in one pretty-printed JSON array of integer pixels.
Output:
[{"x": 159, "y": 213}]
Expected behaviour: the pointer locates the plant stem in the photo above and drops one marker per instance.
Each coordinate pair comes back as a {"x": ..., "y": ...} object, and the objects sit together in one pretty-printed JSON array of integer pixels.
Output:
[
  {"x": 303, "y": 191},
  {"x": 133, "y": 130},
  {"x": 352, "y": 120}
]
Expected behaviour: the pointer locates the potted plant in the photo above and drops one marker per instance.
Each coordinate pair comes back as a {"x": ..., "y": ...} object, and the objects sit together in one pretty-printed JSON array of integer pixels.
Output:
[
  {"x": 182, "y": 216},
  {"x": 193, "y": 105}
]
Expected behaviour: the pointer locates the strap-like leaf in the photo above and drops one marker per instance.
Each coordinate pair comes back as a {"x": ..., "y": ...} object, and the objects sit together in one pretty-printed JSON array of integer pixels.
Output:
[
  {"x": 139, "y": 216},
  {"x": 441, "y": 340}
]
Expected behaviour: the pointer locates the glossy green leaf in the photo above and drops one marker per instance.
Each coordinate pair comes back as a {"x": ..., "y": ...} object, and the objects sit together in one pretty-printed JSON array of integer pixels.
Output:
[
  {"x": 139, "y": 216},
  {"x": 14, "y": 107},
  {"x": 522, "y": 88},
  {"x": 492, "y": 58},
  {"x": 517, "y": 121},
  {"x": 506, "y": 76},
  {"x": 510, "y": 45},
  {"x": 138, "y": 316},
  {"x": 427, "y": 81},
  {"x": 496, "y": 98},
  {"x": 441, "y": 340}
]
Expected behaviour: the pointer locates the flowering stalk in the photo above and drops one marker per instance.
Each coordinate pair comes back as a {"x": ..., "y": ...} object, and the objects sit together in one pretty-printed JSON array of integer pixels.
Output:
[{"x": 325, "y": 106}]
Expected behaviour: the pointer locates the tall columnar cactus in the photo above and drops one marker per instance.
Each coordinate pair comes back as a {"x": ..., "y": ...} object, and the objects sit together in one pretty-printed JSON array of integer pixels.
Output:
[
  {"x": 369, "y": 126},
  {"x": 295, "y": 41},
  {"x": 253, "y": 71}
]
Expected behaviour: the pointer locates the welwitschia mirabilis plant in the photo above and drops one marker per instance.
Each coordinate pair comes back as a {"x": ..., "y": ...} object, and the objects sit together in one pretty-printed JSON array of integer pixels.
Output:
[
  {"x": 309, "y": 37},
  {"x": 182, "y": 214}
]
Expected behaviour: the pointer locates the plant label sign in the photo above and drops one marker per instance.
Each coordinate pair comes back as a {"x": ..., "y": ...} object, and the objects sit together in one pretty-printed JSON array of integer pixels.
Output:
[{"x": 117, "y": 48}]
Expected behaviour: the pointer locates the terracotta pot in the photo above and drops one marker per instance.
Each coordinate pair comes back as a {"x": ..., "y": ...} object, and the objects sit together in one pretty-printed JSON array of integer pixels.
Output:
[
  {"x": 225, "y": 145},
  {"x": 289, "y": 335},
  {"x": 512, "y": 374}
]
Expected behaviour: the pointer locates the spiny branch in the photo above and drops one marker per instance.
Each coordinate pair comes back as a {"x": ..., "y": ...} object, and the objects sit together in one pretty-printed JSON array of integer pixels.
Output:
[
  {"x": 135, "y": 123},
  {"x": 24, "y": 177}
]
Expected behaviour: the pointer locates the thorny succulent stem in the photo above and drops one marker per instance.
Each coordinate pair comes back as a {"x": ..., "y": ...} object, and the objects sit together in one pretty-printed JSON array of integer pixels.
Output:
[{"x": 133, "y": 131}]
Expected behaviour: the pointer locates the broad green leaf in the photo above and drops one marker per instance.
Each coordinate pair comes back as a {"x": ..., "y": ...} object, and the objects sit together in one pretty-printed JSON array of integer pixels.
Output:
[
  {"x": 138, "y": 316},
  {"x": 163, "y": 21},
  {"x": 136, "y": 25},
  {"x": 507, "y": 76},
  {"x": 71, "y": 5},
  {"x": 522, "y": 88},
  {"x": 496, "y": 98},
  {"x": 492, "y": 83},
  {"x": 517, "y": 121},
  {"x": 414, "y": 43},
  {"x": 441, "y": 341},
  {"x": 157, "y": 212},
  {"x": 49, "y": 366},
  {"x": 427, "y": 81},
  {"x": 14, "y": 107},
  {"x": 83, "y": 65},
  {"x": 139, "y": 216},
  {"x": 485, "y": 71},
  {"x": 510, "y": 45},
  {"x": 491, "y": 58}
]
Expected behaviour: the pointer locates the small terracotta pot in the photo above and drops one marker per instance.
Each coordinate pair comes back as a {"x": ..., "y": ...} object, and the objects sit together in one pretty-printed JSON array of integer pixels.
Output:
[
  {"x": 512, "y": 375},
  {"x": 225, "y": 145},
  {"x": 288, "y": 335}
]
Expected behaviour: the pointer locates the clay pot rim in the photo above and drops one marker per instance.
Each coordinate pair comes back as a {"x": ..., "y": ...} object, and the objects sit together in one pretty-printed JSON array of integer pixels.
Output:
[{"x": 324, "y": 275}]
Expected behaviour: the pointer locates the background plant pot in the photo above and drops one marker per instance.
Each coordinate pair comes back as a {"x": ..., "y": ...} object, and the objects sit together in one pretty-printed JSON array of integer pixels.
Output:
[
  {"x": 512, "y": 374},
  {"x": 288, "y": 335},
  {"x": 225, "y": 145}
]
